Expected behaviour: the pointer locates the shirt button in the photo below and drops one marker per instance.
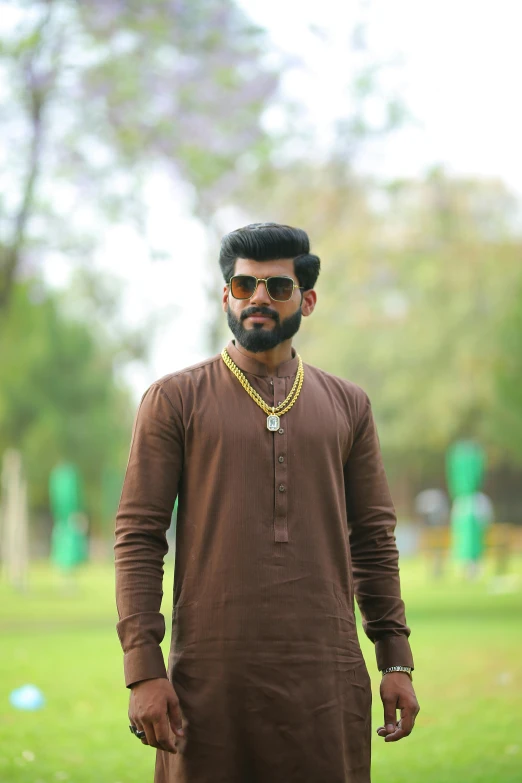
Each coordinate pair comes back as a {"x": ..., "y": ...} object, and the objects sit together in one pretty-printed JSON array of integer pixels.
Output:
[
  {"x": 281, "y": 431},
  {"x": 281, "y": 488},
  {"x": 281, "y": 459}
]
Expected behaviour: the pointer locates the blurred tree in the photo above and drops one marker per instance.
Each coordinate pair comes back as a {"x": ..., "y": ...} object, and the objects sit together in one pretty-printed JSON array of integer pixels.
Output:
[
  {"x": 98, "y": 96},
  {"x": 58, "y": 397},
  {"x": 507, "y": 422}
]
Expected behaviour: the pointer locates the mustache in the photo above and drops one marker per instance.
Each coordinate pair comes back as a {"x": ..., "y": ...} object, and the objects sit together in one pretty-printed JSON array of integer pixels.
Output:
[{"x": 260, "y": 311}]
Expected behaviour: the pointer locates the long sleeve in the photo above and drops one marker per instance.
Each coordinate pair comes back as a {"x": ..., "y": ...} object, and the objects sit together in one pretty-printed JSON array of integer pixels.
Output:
[
  {"x": 144, "y": 515},
  {"x": 372, "y": 520}
]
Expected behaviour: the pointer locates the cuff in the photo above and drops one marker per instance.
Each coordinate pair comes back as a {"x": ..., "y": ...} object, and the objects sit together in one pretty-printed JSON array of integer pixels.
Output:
[
  {"x": 393, "y": 651},
  {"x": 144, "y": 663}
]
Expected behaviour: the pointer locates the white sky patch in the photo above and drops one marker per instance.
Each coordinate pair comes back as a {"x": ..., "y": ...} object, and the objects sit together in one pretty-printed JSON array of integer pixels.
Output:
[
  {"x": 173, "y": 285},
  {"x": 460, "y": 76}
]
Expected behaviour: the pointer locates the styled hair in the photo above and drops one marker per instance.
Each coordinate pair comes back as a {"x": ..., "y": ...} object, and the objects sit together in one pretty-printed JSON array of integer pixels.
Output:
[{"x": 269, "y": 242}]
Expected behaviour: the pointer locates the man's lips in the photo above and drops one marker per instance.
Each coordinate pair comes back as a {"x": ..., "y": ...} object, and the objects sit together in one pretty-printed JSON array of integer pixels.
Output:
[{"x": 259, "y": 318}]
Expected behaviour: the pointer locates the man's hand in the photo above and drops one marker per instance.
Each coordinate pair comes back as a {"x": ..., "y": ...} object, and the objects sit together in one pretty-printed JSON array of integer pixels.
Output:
[
  {"x": 154, "y": 709},
  {"x": 397, "y": 694}
]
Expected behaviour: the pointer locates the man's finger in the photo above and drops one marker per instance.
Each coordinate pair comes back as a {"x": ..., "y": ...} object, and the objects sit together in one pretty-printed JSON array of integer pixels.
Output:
[
  {"x": 164, "y": 737},
  {"x": 396, "y": 735},
  {"x": 174, "y": 715},
  {"x": 139, "y": 727},
  {"x": 404, "y": 726},
  {"x": 150, "y": 737},
  {"x": 390, "y": 714},
  {"x": 407, "y": 720}
]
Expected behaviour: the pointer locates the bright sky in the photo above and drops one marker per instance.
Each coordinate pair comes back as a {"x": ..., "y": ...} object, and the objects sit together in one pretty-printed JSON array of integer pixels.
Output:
[{"x": 460, "y": 77}]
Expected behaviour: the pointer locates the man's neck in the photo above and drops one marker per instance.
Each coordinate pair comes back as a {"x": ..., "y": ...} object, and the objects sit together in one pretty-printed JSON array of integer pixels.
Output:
[{"x": 271, "y": 359}]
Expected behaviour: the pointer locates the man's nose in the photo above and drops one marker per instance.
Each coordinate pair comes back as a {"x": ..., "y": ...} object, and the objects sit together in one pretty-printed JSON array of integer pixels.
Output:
[{"x": 260, "y": 298}]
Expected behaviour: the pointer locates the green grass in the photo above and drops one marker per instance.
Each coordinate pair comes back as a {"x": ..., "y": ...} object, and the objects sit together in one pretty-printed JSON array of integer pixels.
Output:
[{"x": 466, "y": 637}]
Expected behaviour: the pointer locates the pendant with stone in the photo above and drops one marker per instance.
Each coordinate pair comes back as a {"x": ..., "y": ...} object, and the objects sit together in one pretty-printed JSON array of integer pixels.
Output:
[{"x": 272, "y": 422}]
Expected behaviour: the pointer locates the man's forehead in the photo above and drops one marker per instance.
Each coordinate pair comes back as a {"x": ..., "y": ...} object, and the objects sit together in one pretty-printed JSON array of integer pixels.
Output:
[{"x": 279, "y": 266}]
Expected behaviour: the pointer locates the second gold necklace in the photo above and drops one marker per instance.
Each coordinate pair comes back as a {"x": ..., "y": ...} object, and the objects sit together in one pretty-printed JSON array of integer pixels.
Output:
[{"x": 273, "y": 413}]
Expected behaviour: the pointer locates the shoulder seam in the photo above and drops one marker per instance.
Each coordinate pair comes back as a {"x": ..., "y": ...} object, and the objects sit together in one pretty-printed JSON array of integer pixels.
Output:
[
  {"x": 161, "y": 382},
  {"x": 162, "y": 391}
]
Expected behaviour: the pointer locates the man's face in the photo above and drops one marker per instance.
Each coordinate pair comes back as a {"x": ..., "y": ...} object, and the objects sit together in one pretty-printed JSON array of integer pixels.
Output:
[{"x": 259, "y": 323}]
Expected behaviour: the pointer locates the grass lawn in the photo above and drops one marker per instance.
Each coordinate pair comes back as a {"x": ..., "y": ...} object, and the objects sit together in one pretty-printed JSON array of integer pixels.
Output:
[{"x": 466, "y": 638}]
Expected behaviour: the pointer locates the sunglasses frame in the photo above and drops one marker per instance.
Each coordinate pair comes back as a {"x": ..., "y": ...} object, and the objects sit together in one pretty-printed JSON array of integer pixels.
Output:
[{"x": 265, "y": 281}]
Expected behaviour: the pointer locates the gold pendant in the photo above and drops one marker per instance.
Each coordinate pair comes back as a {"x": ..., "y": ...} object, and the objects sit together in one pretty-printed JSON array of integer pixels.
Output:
[{"x": 272, "y": 422}]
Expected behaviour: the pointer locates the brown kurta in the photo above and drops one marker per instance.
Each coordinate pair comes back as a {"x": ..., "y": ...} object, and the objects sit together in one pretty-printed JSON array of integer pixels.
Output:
[{"x": 275, "y": 533}]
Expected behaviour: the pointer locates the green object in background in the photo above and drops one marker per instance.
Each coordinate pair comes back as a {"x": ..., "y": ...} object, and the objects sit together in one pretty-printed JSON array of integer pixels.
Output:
[
  {"x": 465, "y": 466},
  {"x": 69, "y": 539}
]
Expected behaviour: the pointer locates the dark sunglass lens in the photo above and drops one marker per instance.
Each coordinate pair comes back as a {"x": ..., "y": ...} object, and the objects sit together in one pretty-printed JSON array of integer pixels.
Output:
[
  {"x": 280, "y": 288},
  {"x": 243, "y": 286}
]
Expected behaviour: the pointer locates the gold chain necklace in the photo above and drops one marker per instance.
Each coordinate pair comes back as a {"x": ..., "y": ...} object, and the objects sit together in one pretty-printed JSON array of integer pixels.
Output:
[{"x": 273, "y": 413}]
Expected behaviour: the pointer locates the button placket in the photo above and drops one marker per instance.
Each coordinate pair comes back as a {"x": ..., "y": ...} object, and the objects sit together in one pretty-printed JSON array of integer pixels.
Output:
[{"x": 280, "y": 471}]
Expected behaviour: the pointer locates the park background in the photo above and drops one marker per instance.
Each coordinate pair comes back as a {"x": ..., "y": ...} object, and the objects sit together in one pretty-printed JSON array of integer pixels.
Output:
[{"x": 133, "y": 137}]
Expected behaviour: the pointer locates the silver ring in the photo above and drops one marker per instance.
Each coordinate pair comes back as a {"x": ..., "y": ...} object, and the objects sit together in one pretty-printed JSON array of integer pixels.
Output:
[{"x": 137, "y": 733}]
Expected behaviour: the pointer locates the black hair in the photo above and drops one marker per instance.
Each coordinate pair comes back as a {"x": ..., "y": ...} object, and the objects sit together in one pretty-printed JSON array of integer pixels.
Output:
[{"x": 268, "y": 242}]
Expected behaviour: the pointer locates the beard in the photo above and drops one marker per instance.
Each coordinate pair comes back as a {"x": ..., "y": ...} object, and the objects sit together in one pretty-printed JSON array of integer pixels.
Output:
[{"x": 259, "y": 339}]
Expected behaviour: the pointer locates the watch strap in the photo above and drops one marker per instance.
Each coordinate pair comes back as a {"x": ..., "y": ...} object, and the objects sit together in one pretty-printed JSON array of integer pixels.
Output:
[{"x": 406, "y": 669}]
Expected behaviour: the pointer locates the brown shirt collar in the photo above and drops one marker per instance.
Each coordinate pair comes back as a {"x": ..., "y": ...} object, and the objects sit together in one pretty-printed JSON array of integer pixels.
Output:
[{"x": 245, "y": 363}]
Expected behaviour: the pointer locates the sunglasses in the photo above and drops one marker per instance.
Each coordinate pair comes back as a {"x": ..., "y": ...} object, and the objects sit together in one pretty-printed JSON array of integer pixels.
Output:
[{"x": 279, "y": 289}]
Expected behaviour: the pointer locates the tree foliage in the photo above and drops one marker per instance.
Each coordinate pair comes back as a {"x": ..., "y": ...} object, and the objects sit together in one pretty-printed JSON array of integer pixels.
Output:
[
  {"x": 59, "y": 400},
  {"x": 508, "y": 376},
  {"x": 100, "y": 94}
]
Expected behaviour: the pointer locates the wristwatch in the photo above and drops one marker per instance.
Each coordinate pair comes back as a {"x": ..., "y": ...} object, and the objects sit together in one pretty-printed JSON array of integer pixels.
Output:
[{"x": 406, "y": 669}]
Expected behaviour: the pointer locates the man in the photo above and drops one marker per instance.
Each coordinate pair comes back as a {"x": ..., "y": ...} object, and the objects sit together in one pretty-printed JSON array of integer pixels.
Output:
[{"x": 284, "y": 514}]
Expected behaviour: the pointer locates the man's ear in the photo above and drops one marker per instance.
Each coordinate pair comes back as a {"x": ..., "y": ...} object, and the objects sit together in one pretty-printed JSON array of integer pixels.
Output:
[
  {"x": 224, "y": 301},
  {"x": 309, "y": 302}
]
